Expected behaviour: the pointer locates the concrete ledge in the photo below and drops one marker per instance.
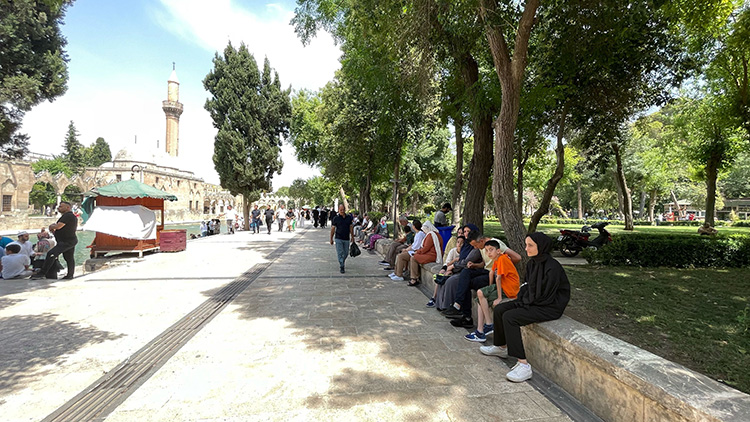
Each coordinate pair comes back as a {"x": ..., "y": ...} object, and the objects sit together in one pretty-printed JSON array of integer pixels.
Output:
[
  {"x": 617, "y": 380},
  {"x": 621, "y": 382}
]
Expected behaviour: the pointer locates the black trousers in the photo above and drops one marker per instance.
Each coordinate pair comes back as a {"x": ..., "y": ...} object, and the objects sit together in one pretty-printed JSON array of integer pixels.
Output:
[
  {"x": 67, "y": 250},
  {"x": 508, "y": 319},
  {"x": 269, "y": 221},
  {"x": 470, "y": 279}
]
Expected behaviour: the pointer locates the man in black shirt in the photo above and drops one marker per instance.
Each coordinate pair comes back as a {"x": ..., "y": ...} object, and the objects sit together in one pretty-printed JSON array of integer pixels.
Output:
[
  {"x": 256, "y": 220},
  {"x": 315, "y": 216},
  {"x": 65, "y": 234},
  {"x": 341, "y": 226}
]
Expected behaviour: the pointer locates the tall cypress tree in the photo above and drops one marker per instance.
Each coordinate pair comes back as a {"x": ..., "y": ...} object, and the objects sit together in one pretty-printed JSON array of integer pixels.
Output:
[
  {"x": 251, "y": 113},
  {"x": 74, "y": 151}
]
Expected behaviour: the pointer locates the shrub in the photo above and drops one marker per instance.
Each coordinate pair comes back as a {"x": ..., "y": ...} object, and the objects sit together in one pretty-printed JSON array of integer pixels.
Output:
[
  {"x": 742, "y": 223},
  {"x": 680, "y": 251}
]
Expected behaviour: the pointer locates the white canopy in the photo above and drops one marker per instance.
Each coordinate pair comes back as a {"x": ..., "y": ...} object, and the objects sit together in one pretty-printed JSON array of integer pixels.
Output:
[{"x": 130, "y": 222}]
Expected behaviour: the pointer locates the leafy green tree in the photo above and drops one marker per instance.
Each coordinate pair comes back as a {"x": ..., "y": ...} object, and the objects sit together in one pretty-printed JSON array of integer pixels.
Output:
[
  {"x": 42, "y": 194},
  {"x": 713, "y": 138},
  {"x": 283, "y": 191},
  {"x": 75, "y": 152},
  {"x": 736, "y": 184},
  {"x": 33, "y": 64},
  {"x": 298, "y": 189},
  {"x": 252, "y": 114},
  {"x": 98, "y": 154},
  {"x": 54, "y": 166}
]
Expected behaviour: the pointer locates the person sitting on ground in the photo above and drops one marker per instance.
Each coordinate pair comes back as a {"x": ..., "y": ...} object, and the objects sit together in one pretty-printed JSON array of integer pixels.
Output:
[
  {"x": 398, "y": 245},
  {"x": 15, "y": 264},
  {"x": 543, "y": 297},
  {"x": 403, "y": 258},
  {"x": 503, "y": 274},
  {"x": 26, "y": 247},
  {"x": 451, "y": 258},
  {"x": 440, "y": 219},
  {"x": 381, "y": 232},
  {"x": 41, "y": 248},
  {"x": 474, "y": 277}
]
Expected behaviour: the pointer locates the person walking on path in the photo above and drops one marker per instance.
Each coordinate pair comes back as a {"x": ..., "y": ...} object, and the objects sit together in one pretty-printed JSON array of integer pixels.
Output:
[
  {"x": 341, "y": 227},
  {"x": 543, "y": 297},
  {"x": 231, "y": 217},
  {"x": 65, "y": 234},
  {"x": 281, "y": 217},
  {"x": 255, "y": 221},
  {"x": 269, "y": 218}
]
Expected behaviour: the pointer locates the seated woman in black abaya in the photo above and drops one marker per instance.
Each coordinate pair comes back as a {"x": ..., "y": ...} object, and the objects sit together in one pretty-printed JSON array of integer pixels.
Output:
[{"x": 543, "y": 297}]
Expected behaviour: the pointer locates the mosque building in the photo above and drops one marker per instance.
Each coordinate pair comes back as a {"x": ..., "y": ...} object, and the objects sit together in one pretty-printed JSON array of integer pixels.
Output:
[{"x": 162, "y": 169}]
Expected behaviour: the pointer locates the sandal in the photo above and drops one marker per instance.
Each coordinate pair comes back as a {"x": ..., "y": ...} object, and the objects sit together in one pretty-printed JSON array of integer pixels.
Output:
[{"x": 414, "y": 282}]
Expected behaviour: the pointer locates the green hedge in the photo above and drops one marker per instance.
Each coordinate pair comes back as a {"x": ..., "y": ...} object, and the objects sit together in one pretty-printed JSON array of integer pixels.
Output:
[{"x": 678, "y": 251}]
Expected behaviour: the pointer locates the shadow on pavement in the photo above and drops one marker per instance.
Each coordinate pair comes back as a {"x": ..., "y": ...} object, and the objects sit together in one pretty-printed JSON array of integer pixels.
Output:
[{"x": 31, "y": 342}]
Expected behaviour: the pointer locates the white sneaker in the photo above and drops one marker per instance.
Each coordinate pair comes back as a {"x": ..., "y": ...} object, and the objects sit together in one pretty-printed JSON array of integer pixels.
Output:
[
  {"x": 519, "y": 373},
  {"x": 397, "y": 278},
  {"x": 391, "y": 275},
  {"x": 501, "y": 352}
]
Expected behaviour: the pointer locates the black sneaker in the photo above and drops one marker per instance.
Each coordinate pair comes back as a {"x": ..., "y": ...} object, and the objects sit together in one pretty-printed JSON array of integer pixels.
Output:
[
  {"x": 388, "y": 269},
  {"x": 452, "y": 311},
  {"x": 342, "y": 270},
  {"x": 463, "y": 322}
]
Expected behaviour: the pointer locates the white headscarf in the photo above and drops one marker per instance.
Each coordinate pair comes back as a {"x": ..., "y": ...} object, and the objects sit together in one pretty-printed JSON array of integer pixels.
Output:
[{"x": 429, "y": 229}]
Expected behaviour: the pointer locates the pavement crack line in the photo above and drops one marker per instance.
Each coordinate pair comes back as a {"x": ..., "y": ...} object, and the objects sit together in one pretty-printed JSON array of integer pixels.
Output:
[{"x": 102, "y": 397}]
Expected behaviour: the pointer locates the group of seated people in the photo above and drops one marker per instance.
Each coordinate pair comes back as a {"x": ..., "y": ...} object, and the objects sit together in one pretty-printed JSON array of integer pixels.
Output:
[
  {"x": 367, "y": 231},
  {"x": 21, "y": 258},
  {"x": 487, "y": 266}
]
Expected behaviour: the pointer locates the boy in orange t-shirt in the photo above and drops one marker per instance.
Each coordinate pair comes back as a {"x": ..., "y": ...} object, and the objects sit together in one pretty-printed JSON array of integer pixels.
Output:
[{"x": 503, "y": 274}]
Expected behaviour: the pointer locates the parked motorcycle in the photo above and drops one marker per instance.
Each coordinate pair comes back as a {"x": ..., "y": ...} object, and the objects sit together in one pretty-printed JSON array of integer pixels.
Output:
[{"x": 572, "y": 242}]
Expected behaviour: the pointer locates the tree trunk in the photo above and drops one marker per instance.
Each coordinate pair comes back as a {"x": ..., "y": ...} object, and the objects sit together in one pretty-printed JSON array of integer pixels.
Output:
[
  {"x": 481, "y": 159},
  {"x": 580, "y": 201},
  {"x": 642, "y": 206},
  {"x": 459, "y": 182},
  {"x": 676, "y": 203},
  {"x": 627, "y": 200},
  {"x": 711, "y": 176},
  {"x": 652, "y": 205},
  {"x": 549, "y": 190},
  {"x": 343, "y": 198},
  {"x": 394, "y": 214},
  {"x": 245, "y": 213},
  {"x": 510, "y": 72}
]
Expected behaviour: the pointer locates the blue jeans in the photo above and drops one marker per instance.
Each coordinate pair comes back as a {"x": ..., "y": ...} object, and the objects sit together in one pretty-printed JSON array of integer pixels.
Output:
[{"x": 342, "y": 250}]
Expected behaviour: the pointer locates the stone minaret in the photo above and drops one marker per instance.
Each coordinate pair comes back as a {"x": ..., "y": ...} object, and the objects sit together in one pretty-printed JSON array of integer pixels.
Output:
[{"x": 173, "y": 109}]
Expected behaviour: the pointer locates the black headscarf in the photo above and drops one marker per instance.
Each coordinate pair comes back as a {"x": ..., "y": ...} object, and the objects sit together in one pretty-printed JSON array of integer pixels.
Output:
[{"x": 547, "y": 283}]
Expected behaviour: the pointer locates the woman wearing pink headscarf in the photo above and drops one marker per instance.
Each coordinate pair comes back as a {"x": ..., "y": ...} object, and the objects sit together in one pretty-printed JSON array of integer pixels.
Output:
[{"x": 381, "y": 231}]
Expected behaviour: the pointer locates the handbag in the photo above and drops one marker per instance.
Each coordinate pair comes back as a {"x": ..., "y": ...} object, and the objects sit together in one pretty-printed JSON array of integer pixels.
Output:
[
  {"x": 354, "y": 250},
  {"x": 440, "y": 279}
]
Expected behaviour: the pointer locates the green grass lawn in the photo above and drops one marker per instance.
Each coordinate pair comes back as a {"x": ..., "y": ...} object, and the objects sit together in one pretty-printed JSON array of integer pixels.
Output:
[
  {"x": 493, "y": 228},
  {"x": 699, "y": 318}
]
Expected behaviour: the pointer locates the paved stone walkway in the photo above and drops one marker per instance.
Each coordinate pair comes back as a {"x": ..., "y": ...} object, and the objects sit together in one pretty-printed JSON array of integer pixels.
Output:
[{"x": 302, "y": 343}]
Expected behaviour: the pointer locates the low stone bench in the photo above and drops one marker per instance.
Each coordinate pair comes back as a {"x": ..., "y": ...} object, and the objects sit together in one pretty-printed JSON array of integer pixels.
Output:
[{"x": 614, "y": 379}]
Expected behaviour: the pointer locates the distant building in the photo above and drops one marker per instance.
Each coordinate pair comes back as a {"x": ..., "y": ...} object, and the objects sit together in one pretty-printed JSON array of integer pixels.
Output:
[{"x": 160, "y": 169}]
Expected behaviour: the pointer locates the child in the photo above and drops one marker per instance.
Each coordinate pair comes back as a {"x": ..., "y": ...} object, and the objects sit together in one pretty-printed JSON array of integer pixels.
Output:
[
  {"x": 503, "y": 274},
  {"x": 14, "y": 264}
]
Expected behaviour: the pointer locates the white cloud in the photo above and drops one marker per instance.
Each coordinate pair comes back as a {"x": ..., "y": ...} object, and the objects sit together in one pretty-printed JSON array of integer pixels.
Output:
[{"x": 212, "y": 24}]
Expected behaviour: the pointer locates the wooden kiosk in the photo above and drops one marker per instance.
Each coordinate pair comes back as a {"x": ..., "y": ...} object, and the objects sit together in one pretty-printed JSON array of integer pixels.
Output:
[{"x": 129, "y": 192}]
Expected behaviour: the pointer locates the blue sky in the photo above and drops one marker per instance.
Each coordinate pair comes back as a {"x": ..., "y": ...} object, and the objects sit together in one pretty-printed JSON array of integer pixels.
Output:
[{"x": 121, "y": 55}]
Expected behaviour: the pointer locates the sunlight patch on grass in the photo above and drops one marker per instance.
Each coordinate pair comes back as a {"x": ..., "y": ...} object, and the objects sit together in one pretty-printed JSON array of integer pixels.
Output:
[
  {"x": 646, "y": 318},
  {"x": 739, "y": 298},
  {"x": 682, "y": 289},
  {"x": 622, "y": 275}
]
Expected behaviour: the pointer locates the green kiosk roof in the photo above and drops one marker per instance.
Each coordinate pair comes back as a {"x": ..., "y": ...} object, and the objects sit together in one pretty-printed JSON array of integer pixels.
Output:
[{"x": 130, "y": 189}]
